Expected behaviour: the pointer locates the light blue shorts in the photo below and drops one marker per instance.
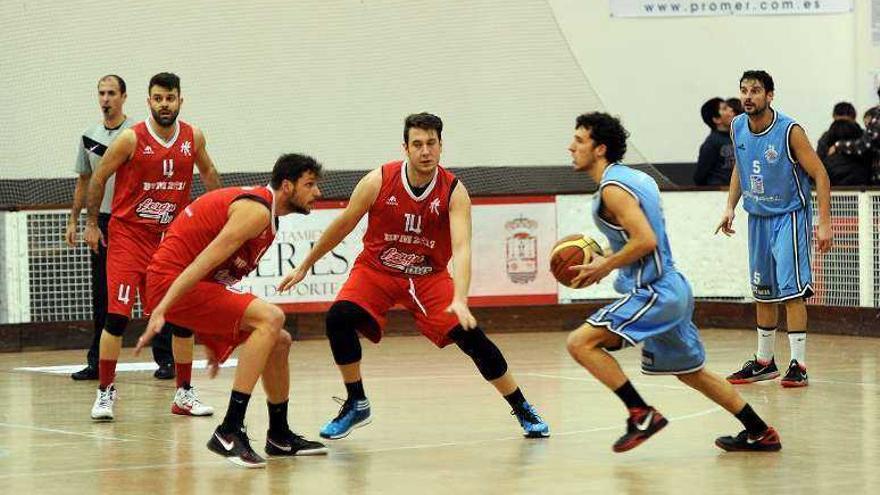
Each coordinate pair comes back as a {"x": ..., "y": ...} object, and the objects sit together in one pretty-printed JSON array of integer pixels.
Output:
[
  {"x": 779, "y": 256},
  {"x": 658, "y": 315}
]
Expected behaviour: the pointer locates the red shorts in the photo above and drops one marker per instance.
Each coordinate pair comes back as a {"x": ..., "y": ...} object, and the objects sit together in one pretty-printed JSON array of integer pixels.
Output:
[
  {"x": 426, "y": 297},
  {"x": 211, "y": 310},
  {"x": 129, "y": 249}
]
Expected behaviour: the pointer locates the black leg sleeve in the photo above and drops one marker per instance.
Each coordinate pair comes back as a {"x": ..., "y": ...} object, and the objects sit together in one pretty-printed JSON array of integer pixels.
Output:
[{"x": 343, "y": 321}]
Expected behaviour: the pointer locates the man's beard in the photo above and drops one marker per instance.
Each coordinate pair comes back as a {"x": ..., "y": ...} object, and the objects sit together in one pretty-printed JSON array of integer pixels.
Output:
[
  {"x": 164, "y": 121},
  {"x": 758, "y": 111},
  {"x": 298, "y": 208}
]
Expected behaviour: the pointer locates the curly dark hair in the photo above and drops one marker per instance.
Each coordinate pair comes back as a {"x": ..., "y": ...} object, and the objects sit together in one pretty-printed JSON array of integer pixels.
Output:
[
  {"x": 761, "y": 76},
  {"x": 607, "y": 130},
  {"x": 425, "y": 121},
  {"x": 292, "y": 166}
]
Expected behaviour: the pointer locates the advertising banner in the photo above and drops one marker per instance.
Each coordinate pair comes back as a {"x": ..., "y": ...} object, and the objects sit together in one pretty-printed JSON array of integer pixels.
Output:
[
  {"x": 512, "y": 238},
  {"x": 696, "y": 8}
]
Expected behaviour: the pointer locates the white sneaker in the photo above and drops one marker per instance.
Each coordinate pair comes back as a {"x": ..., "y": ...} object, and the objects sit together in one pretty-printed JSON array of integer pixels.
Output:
[
  {"x": 102, "y": 410},
  {"x": 187, "y": 403}
]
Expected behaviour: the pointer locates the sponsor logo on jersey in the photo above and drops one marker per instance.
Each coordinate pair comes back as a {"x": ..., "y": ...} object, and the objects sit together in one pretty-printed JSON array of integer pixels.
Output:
[
  {"x": 434, "y": 207},
  {"x": 762, "y": 290},
  {"x": 224, "y": 277},
  {"x": 186, "y": 148},
  {"x": 148, "y": 150},
  {"x": 409, "y": 263},
  {"x": 392, "y": 201},
  {"x": 160, "y": 211}
]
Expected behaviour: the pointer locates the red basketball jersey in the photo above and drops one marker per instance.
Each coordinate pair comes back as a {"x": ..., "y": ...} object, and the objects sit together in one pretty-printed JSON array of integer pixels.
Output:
[
  {"x": 200, "y": 223},
  {"x": 408, "y": 234},
  {"x": 154, "y": 184}
]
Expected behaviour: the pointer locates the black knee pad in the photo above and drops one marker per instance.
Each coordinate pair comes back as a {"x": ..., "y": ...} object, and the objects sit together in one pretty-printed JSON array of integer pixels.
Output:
[
  {"x": 116, "y": 324},
  {"x": 178, "y": 331},
  {"x": 486, "y": 355},
  {"x": 343, "y": 319}
]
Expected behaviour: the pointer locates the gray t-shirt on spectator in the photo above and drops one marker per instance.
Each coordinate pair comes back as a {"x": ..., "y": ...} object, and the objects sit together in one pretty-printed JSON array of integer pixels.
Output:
[{"x": 92, "y": 145}]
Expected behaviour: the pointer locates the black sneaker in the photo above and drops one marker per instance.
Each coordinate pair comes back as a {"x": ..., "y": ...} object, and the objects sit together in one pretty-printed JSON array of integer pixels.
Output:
[
  {"x": 289, "y": 443},
  {"x": 641, "y": 425},
  {"x": 165, "y": 371},
  {"x": 765, "y": 442},
  {"x": 753, "y": 371},
  {"x": 796, "y": 376},
  {"x": 236, "y": 448},
  {"x": 87, "y": 373}
]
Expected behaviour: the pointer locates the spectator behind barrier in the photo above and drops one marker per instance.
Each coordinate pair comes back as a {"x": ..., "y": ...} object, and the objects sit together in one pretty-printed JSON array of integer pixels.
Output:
[
  {"x": 715, "y": 162},
  {"x": 873, "y": 113},
  {"x": 867, "y": 146},
  {"x": 843, "y": 110},
  {"x": 736, "y": 105},
  {"x": 846, "y": 170}
]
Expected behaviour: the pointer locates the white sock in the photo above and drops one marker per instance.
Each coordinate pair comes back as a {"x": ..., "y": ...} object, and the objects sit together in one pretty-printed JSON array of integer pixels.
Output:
[
  {"x": 798, "y": 343},
  {"x": 766, "y": 340}
]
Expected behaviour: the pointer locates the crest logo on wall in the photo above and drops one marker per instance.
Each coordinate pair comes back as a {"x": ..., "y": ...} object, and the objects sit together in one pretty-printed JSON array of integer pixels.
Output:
[{"x": 521, "y": 250}]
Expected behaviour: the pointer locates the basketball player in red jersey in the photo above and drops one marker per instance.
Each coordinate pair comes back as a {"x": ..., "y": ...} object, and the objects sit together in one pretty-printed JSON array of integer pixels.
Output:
[
  {"x": 153, "y": 162},
  {"x": 218, "y": 240},
  {"x": 419, "y": 217}
]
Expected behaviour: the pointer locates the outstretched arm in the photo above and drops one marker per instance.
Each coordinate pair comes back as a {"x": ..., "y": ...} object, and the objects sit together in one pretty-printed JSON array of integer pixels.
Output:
[
  {"x": 361, "y": 200},
  {"x": 733, "y": 195},
  {"x": 246, "y": 220},
  {"x": 460, "y": 234}
]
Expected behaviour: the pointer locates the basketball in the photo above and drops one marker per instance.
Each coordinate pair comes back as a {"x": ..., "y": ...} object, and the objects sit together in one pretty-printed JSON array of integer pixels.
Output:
[{"x": 572, "y": 250}]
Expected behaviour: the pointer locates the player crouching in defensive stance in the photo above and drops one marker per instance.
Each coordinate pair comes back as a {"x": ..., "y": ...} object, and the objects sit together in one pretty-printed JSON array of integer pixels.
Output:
[
  {"x": 217, "y": 241},
  {"x": 658, "y": 304},
  {"x": 419, "y": 217}
]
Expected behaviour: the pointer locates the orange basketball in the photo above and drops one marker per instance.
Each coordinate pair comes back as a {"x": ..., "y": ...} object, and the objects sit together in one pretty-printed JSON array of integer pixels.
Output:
[{"x": 576, "y": 249}]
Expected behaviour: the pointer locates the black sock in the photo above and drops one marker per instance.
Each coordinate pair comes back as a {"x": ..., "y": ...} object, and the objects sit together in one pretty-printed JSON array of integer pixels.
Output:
[
  {"x": 750, "y": 419},
  {"x": 278, "y": 417},
  {"x": 630, "y": 397},
  {"x": 515, "y": 398},
  {"x": 356, "y": 390},
  {"x": 234, "y": 420}
]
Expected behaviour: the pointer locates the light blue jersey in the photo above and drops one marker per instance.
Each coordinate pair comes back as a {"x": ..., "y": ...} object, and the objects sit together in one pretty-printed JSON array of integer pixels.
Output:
[
  {"x": 772, "y": 181},
  {"x": 658, "y": 304},
  {"x": 645, "y": 190},
  {"x": 776, "y": 193}
]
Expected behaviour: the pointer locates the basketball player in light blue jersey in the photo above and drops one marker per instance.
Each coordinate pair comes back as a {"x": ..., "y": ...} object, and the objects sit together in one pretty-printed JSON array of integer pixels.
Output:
[
  {"x": 657, "y": 303},
  {"x": 773, "y": 161}
]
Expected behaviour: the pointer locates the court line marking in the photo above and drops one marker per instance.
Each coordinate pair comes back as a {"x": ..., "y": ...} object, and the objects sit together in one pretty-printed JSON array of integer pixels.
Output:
[
  {"x": 64, "y": 432},
  {"x": 66, "y": 369},
  {"x": 44, "y": 474},
  {"x": 593, "y": 380},
  {"x": 697, "y": 414},
  {"x": 839, "y": 382}
]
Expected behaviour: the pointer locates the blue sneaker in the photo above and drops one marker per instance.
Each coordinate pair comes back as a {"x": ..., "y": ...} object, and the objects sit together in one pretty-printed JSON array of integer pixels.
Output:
[
  {"x": 532, "y": 424},
  {"x": 353, "y": 414}
]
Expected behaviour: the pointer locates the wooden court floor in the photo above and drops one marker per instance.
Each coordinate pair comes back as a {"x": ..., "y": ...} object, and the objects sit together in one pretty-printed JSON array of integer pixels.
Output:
[{"x": 438, "y": 428}]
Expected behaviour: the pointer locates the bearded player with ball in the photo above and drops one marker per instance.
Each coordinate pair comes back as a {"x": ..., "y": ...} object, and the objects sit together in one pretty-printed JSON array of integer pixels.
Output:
[{"x": 658, "y": 303}]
